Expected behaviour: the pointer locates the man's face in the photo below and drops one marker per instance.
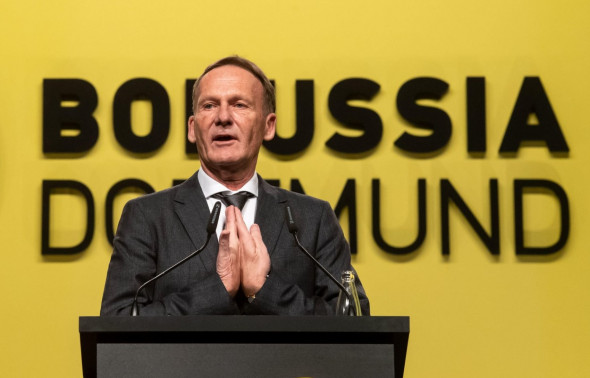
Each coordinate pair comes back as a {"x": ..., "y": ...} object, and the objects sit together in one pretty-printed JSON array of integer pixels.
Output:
[{"x": 229, "y": 121}]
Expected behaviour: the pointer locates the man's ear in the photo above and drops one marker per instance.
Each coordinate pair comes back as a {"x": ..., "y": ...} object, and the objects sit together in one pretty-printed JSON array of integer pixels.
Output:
[
  {"x": 270, "y": 126},
  {"x": 191, "y": 129}
]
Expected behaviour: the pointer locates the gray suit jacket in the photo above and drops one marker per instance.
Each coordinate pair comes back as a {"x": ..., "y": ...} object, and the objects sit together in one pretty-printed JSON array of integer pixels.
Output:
[{"x": 159, "y": 229}]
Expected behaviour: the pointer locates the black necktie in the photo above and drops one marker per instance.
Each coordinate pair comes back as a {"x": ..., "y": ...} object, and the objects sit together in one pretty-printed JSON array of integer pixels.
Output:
[{"x": 238, "y": 200}]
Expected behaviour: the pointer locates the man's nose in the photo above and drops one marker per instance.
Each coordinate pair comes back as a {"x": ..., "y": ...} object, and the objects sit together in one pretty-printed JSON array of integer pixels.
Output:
[{"x": 223, "y": 116}]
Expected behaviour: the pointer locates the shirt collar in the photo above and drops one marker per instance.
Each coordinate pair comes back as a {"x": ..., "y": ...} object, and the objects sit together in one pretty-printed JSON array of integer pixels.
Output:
[{"x": 209, "y": 186}]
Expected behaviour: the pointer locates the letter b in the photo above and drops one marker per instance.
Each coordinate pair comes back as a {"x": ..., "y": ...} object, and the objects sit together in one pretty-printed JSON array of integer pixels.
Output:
[{"x": 58, "y": 117}]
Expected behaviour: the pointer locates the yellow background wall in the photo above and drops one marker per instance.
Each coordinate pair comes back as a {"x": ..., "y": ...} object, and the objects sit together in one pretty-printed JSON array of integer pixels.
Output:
[{"x": 471, "y": 315}]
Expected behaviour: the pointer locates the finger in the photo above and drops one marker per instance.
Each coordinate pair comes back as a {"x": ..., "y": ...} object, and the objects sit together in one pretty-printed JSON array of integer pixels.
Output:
[
  {"x": 228, "y": 250},
  {"x": 224, "y": 241},
  {"x": 227, "y": 265},
  {"x": 255, "y": 276},
  {"x": 230, "y": 219},
  {"x": 243, "y": 233},
  {"x": 261, "y": 250},
  {"x": 230, "y": 227},
  {"x": 224, "y": 260},
  {"x": 240, "y": 224},
  {"x": 257, "y": 237}
]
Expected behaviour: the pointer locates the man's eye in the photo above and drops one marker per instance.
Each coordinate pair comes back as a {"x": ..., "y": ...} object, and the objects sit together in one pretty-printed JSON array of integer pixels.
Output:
[
  {"x": 240, "y": 105},
  {"x": 207, "y": 106}
]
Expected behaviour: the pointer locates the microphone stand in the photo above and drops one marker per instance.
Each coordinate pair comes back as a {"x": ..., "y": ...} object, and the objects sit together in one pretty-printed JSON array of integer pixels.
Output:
[
  {"x": 211, "y": 227},
  {"x": 293, "y": 230}
]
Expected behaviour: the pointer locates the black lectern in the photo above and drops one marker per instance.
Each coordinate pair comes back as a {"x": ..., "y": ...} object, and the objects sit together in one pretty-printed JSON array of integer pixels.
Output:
[{"x": 244, "y": 346}]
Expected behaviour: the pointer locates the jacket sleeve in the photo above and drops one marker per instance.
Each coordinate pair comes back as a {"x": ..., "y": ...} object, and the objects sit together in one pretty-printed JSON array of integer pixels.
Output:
[{"x": 134, "y": 260}]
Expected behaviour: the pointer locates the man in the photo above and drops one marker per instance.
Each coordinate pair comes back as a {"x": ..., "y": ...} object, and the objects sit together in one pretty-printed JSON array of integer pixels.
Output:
[{"x": 255, "y": 266}]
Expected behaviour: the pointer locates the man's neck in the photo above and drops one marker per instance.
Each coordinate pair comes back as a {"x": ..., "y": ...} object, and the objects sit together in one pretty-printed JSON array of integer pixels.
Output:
[{"x": 231, "y": 180}]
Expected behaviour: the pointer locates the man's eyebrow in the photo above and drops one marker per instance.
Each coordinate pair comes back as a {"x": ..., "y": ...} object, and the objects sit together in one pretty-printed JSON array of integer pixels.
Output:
[
  {"x": 205, "y": 98},
  {"x": 238, "y": 97}
]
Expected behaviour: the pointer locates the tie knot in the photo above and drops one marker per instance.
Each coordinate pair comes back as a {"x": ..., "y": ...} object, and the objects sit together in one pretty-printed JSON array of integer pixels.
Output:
[{"x": 238, "y": 199}]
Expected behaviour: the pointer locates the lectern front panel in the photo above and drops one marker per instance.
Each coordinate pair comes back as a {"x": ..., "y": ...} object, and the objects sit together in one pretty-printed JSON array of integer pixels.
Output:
[{"x": 244, "y": 360}]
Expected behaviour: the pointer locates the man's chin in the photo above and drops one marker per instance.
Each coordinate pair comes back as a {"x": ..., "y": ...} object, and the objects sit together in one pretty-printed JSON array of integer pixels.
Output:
[{"x": 226, "y": 163}]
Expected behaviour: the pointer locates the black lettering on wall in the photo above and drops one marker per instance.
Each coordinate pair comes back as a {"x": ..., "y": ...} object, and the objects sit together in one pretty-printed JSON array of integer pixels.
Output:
[
  {"x": 141, "y": 89},
  {"x": 296, "y": 186},
  {"x": 59, "y": 117},
  {"x": 425, "y": 117},
  {"x": 65, "y": 186},
  {"x": 274, "y": 182},
  {"x": 113, "y": 191},
  {"x": 522, "y": 186},
  {"x": 376, "y": 220},
  {"x": 347, "y": 200},
  {"x": 532, "y": 99},
  {"x": 353, "y": 117},
  {"x": 449, "y": 194},
  {"x": 476, "y": 114},
  {"x": 304, "y": 122},
  {"x": 178, "y": 181}
]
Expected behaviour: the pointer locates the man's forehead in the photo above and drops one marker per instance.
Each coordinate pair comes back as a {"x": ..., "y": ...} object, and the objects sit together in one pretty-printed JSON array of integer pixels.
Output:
[{"x": 229, "y": 74}]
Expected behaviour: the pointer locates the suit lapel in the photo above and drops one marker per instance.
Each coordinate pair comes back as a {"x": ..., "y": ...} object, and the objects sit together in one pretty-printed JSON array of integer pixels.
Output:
[
  {"x": 192, "y": 210},
  {"x": 270, "y": 214}
]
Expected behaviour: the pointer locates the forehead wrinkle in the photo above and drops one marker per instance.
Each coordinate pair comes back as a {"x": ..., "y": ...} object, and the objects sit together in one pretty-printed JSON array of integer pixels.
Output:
[
  {"x": 231, "y": 77},
  {"x": 229, "y": 97}
]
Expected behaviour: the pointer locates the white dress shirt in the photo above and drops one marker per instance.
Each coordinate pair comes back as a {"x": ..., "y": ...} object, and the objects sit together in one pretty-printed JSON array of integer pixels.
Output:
[{"x": 210, "y": 187}]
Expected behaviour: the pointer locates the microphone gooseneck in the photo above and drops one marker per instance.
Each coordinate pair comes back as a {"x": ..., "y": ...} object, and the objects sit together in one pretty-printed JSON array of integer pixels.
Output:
[
  {"x": 211, "y": 227},
  {"x": 293, "y": 230}
]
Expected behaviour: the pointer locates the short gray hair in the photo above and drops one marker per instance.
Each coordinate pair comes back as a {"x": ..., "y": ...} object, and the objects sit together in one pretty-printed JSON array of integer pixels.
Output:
[{"x": 269, "y": 89}]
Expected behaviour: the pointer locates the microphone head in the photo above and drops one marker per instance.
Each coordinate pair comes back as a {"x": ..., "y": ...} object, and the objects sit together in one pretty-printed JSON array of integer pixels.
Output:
[
  {"x": 214, "y": 218},
  {"x": 290, "y": 220}
]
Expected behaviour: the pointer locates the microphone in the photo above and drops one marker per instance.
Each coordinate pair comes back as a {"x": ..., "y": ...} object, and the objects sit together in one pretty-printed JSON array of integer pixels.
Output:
[
  {"x": 211, "y": 227},
  {"x": 293, "y": 230}
]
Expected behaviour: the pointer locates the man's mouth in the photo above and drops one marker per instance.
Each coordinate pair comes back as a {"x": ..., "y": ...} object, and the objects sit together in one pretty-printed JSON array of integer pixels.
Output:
[{"x": 223, "y": 138}]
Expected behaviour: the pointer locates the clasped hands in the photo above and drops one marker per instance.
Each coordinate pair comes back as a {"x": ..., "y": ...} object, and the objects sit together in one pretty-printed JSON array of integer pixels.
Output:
[{"x": 242, "y": 260}]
